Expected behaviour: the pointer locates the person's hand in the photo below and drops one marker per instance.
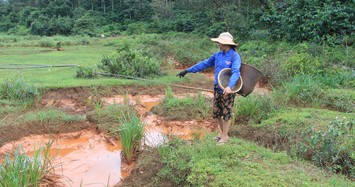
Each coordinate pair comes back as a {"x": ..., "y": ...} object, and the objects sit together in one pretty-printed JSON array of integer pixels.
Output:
[
  {"x": 227, "y": 91},
  {"x": 182, "y": 74}
]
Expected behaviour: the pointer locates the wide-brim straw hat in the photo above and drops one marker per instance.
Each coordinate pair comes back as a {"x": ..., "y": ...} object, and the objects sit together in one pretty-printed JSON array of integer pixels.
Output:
[
  {"x": 224, "y": 38},
  {"x": 223, "y": 80}
]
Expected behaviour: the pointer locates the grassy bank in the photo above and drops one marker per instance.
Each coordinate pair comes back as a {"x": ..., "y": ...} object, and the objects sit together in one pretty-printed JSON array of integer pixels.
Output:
[{"x": 239, "y": 163}]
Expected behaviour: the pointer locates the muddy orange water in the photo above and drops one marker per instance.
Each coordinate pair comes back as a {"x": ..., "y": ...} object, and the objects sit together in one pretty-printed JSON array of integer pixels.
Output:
[
  {"x": 90, "y": 158},
  {"x": 84, "y": 157}
]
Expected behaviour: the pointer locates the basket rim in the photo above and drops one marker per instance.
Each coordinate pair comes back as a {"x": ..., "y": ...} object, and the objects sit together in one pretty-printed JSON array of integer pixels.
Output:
[{"x": 222, "y": 87}]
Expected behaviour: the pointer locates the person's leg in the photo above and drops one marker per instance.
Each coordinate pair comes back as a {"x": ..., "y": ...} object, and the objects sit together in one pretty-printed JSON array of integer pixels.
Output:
[
  {"x": 220, "y": 125},
  {"x": 217, "y": 112},
  {"x": 226, "y": 125},
  {"x": 227, "y": 117}
]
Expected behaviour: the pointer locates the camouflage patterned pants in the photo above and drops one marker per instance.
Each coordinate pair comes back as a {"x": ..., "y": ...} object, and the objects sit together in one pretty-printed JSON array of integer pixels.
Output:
[{"x": 223, "y": 105}]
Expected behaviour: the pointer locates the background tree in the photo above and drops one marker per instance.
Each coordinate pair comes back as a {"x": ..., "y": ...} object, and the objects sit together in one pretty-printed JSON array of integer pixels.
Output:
[{"x": 294, "y": 20}]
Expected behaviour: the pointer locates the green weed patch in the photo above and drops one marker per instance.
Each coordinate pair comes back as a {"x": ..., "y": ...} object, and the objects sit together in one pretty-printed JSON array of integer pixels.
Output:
[
  {"x": 238, "y": 163},
  {"x": 8, "y": 107},
  {"x": 254, "y": 109},
  {"x": 340, "y": 100},
  {"x": 52, "y": 116},
  {"x": 188, "y": 108},
  {"x": 49, "y": 42},
  {"x": 332, "y": 148},
  {"x": 311, "y": 91}
]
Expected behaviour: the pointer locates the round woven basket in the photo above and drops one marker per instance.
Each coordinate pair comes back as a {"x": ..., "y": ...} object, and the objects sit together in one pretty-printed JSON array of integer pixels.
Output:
[
  {"x": 223, "y": 80},
  {"x": 249, "y": 76}
]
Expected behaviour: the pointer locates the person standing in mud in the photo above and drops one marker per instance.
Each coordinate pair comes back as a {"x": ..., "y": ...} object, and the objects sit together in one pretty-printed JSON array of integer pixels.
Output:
[{"x": 223, "y": 100}]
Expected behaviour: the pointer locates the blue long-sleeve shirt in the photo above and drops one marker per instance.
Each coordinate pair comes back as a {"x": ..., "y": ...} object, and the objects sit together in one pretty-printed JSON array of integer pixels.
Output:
[{"x": 221, "y": 60}]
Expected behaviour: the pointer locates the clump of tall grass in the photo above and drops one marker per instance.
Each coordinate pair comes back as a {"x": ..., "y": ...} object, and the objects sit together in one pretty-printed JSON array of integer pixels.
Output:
[
  {"x": 130, "y": 133},
  {"x": 18, "y": 89},
  {"x": 315, "y": 91},
  {"x": 22, "y": 170},
  {"x": 302, "y": 90},
  {"x": 254, "y": 108}
]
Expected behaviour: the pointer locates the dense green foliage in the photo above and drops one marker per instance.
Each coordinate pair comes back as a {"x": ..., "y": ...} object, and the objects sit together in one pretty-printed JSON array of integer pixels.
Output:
[
  {"x": 130, "y": 62},
  {"x": 302, "y": 20},
  {"x": 296, "y": 20},
  {"x": 332, "y": 148}
]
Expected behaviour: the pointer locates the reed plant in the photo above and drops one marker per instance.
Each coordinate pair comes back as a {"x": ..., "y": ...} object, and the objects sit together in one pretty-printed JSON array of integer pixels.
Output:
[
  {"x": 23, "y": 170},
  {"x": 130, "y": 134}
]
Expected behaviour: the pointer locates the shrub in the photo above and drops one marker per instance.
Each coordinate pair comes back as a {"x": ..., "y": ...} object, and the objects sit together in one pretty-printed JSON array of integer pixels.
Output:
[
  {"x": 46, "y": 43},
  {"x": 302, "y": 63},
  {"x": 332, "y": 148},
  {"x": 189, "y": 49},
  {"x": 273, "y": 72},
  {"x": 130, "y": 62},
  {"x": 86, "y": 72},
  {"x": 137, "y": 28}
]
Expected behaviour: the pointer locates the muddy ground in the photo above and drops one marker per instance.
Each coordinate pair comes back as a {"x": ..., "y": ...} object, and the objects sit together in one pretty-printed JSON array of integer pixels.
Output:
[{"x": 79, "y": 100}]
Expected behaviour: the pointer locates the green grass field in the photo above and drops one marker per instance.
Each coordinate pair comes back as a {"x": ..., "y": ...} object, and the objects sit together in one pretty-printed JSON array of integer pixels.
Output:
[{"x": 54, "y": 77}]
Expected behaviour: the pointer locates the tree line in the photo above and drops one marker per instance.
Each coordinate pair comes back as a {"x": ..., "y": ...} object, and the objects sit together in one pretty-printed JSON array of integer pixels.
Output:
[{"x": 294, "y": 20}]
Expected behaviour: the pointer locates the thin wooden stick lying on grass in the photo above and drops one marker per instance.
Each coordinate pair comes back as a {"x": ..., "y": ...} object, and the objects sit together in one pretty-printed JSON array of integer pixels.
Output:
[{"x": 141, "y": 79}]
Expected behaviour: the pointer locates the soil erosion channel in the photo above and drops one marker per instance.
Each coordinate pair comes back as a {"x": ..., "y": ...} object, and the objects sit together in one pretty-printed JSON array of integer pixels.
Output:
[{"x": 91, "y": 158}]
